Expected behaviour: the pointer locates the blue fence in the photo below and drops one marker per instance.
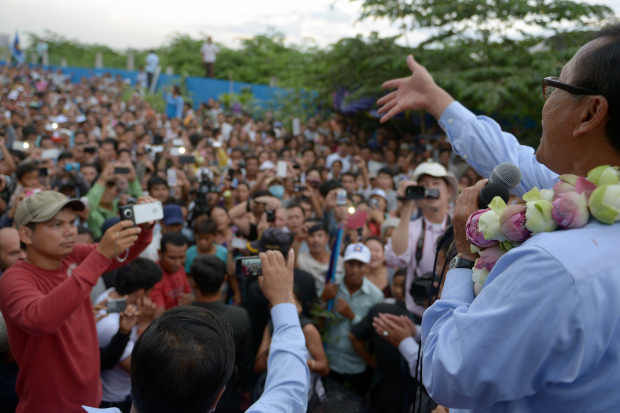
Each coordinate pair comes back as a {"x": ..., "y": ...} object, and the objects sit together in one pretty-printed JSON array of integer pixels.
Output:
[{"x": 200, "y": 89}]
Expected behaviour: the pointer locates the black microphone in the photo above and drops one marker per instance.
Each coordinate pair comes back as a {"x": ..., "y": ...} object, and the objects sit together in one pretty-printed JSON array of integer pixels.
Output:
[{"x": 504, "y": 177}]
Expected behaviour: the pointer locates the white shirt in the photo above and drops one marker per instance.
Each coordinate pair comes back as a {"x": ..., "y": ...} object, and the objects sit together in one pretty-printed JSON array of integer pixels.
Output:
[
  {"x": 152, "y": 61},
  {"x": 116, "y": 381},
  {"x": 208, "y": 52}
]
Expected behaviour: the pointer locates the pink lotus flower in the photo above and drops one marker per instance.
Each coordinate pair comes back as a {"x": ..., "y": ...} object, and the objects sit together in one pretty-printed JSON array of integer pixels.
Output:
[
  {"x": 512, "y": 223},
  {"x": 473, "y": 233},
  {"x": 570, "y": 210},
  {"x": 488, "y": 258},
  {"x": 574, "y": 183},
  {"x": 483, "y": 266}
]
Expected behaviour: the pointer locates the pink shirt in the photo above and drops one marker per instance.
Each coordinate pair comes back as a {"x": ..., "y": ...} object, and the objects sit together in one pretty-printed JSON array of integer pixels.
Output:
[{"x": 407, "y": 259}]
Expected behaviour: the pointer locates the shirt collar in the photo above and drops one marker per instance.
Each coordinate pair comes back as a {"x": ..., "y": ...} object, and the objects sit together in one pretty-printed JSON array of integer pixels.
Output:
[{"x": 436, "y": 228}]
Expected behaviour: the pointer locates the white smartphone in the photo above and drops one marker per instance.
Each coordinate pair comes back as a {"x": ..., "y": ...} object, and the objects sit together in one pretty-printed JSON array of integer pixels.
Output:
[
  {"x": 177, "y": 151},
  {"x": 178, "y": 142},
  {"x": 50, "y": 154},
  {"x": 141, "y": 213},
  {"x": 296, "y": 126},
  {"x": 281, "y": 169},
  {"x": 172, "y": 177},
  {"x": 20, "y": 146}
]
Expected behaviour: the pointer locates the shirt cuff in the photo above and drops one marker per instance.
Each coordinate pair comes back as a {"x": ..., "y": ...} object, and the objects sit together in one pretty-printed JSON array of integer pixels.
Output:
[
  {"x": 408, "y": 348},
  {"x": 452, "y": 115},
  {"x": 458, "y": 286},
  {"x": 284, "y": 314}
]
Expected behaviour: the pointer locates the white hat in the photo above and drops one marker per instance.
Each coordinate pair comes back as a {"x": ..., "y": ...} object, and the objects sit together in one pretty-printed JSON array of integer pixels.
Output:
[
  {"x": 358, "y": 252},
  {"x": 438, "y": 171},
  {"x": 266, "y": 165},
  {"x": 378, "y": 192}
]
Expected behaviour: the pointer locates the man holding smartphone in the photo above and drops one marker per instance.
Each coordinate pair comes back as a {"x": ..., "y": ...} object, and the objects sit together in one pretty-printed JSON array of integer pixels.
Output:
[{"x": 46, "y": 302}]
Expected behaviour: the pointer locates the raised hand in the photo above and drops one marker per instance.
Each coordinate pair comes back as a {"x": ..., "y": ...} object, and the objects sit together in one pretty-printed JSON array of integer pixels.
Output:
[
  {"x": 416, "y": 92},
  {"x": 277, "y": 279},
  {"x": 117, "y": 239}
]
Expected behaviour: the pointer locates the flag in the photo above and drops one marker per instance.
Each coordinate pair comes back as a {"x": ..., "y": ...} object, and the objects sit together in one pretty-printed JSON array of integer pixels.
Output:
[{"x": 16, "y": 51}]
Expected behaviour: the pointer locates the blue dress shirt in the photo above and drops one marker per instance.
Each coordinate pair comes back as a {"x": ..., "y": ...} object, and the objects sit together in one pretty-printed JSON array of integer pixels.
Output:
[
  {"x": 544, "y": 333},
  {"x": 480, "y": 141}
]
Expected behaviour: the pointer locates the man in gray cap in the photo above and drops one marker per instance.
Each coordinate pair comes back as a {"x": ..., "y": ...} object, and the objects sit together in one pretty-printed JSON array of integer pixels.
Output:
[{"x": 45, "y": 300}]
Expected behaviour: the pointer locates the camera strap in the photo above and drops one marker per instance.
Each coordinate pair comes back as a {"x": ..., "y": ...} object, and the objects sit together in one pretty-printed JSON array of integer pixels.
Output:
[{"x": 420, "y": 246}]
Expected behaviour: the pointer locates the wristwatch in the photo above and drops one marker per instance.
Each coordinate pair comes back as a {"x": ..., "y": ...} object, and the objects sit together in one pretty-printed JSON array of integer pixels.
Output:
[{"x": 460, "y": 262}]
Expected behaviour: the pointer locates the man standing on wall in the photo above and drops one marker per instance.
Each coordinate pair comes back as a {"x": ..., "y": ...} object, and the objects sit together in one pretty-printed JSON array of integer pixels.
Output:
[{"x": 209, "y": 51}]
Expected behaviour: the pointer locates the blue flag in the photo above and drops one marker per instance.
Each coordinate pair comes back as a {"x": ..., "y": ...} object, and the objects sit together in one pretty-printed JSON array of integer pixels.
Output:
[{"x": 16, "y": 51}]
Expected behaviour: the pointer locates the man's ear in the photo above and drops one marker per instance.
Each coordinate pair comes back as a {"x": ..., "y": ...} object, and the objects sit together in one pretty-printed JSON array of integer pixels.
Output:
[
  {"x": 594, "y": 115},
  {"x": 25, "y": 235}
]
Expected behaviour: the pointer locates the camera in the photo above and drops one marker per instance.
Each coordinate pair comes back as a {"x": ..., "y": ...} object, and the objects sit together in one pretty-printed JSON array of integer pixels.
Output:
[
  {"x": 300, "y": 188},
  {"x": 417, "y": 192},
  {"x": 248, "y": 267},
  {"x": 116, "y": 305},
  {"x": 141, "y": 213},
  {"x": 90, "y": 149}
]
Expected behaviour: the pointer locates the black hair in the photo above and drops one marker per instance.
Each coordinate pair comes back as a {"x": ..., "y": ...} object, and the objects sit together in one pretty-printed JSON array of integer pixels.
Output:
[
  {"x": 25, "y": 168},
  {"x": 208, "y": 271},
  {"x": 598, "y": 70},
  {"x": 141, "y": 273},
  {"x": 174, "y": 238},
  {"x": 181, "y": 362},
  {"x": 112, "y": 141},
  {"x": 294, "y": 205},
  {"x": 65, "y": 155},
  {"x": 155, "y": 180},
  {"x": 205, "y": 227}
]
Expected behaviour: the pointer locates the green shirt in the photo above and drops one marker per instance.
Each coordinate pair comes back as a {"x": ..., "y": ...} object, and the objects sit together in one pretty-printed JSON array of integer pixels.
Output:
[{"x": 99, "y": 214}]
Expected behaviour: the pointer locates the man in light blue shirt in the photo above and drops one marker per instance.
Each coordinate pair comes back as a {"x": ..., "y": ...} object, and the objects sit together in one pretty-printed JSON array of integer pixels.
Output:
[
  {"x": 544, "y": 333},
  {"x": 354, "y": 295},
  {"x": 152, "y": 62},
  {"x": 184, "y": 359}
]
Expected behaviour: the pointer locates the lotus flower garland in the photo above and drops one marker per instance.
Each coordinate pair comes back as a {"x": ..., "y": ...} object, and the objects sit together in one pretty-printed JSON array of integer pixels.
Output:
[{"x": 571, "y": 202}]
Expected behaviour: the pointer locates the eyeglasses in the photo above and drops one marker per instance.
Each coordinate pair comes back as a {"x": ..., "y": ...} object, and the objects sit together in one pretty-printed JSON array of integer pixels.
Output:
[{"x": 550, "y": 84}]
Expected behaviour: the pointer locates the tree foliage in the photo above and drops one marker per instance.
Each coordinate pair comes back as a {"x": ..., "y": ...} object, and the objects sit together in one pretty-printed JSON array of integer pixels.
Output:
[{"x": 489, "y": 54}]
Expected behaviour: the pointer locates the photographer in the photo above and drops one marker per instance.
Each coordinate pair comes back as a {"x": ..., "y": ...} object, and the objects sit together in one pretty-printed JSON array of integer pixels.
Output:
[
  {"x": 103, "y": 196},
  {"x": 46, "y": 302},
  {"x": 133, "y": 283},
  {"x": 413, "y": 243}
]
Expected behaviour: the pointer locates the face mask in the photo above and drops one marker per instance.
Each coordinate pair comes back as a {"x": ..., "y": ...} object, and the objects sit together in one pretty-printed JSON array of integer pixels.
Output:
[{"x": 277, "y": 191}]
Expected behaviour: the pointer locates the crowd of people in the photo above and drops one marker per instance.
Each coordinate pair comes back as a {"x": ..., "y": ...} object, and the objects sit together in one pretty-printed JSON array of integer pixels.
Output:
[{"x": 232, "y": 185}]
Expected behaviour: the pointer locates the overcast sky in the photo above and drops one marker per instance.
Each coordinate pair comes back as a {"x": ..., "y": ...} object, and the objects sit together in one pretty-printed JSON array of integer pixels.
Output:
[{"x": 147, "y": 23}]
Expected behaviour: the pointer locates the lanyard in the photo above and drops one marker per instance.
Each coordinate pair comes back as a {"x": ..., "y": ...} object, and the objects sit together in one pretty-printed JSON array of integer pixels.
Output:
[{"x": 420, "y": 246}]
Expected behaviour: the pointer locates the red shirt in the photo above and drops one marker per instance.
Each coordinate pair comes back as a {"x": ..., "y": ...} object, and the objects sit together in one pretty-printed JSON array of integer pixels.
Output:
[
  {"x": 51, "y": 328},
  {"x": 170, "y": 289}
]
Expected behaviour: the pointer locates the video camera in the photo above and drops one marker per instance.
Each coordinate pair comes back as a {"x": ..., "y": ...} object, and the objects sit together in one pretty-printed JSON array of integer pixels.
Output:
[{"x": 417, "y": 192}]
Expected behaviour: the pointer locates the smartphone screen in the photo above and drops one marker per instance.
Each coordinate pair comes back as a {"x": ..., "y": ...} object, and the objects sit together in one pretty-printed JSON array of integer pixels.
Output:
[{"x": 281, "y": 169}]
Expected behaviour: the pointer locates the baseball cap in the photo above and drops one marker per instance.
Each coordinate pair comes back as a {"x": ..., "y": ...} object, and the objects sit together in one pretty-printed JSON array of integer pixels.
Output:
[
  {"x": 378, "y": 192},
  {"x": 436, "y": 170},
  {"x": 43, "y": 206},
  {"x": 173, "y": 215},
  {"x": 272, "y": 239},
  {"x": 357, "y": 252}
]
